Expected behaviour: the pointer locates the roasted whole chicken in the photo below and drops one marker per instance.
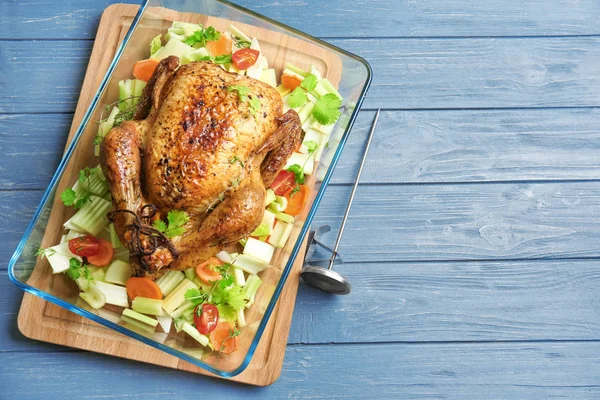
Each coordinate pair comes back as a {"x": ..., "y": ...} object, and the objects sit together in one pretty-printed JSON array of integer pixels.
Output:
[{"x": 197, "y": 144}]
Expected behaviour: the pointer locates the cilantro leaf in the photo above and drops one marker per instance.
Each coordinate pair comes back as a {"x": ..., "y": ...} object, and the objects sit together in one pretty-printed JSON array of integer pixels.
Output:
[
  {"x": 77, "y": 270},
  {"x": 201, "y": 36},
  {"x": 298, "y": 172},
  {"x": 326, "y": 110},
  {"x": 68, "y": 197},
  {"x": 309, "y": 82},
  {"x": 236, "y": 298},
  {"x": 311, "y": 146},
  {"x": 226, "y": 312},
  {"x": 195, "y": 296},
  {"x": 155, "y": 44},
  {"x": 211, "y": 34},
  {"x": 254, "y": 104},
  {"x": 223, "y": 59},
  {"x": 176, "y": 220},
  {"x": 297, "y": 98},
  {"x": 160, "y": 225},
  {"x": 243, "y": 91}
]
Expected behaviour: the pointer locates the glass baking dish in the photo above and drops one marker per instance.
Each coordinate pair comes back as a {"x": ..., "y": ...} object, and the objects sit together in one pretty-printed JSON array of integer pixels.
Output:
[{"x": 348, "y": 72}]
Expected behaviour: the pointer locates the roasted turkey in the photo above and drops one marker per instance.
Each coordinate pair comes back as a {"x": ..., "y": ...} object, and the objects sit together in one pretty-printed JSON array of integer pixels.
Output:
[{"x": 196, "y": 144}]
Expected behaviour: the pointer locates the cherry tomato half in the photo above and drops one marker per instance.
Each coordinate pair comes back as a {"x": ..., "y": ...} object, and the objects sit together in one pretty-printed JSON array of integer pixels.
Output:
[
  {"x": 103, "y": 256},
  {"x": 245, "y": 58},
  {"x": 283, "y": 183},
  {"x": 84, "y": 246},
  {"x": 206, "y": 318}
]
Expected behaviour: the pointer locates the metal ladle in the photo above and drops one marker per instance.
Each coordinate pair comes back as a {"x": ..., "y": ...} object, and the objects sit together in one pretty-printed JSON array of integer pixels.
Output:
[{"x": 326, "y": 279}]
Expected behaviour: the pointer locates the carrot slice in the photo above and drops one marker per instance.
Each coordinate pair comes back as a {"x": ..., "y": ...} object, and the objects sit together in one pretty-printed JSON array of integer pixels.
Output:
[
  {"x": 144, "y": 287},
  {"x": 222, "y": 338},
  {"x": 219, "y": 47},
  {"x": 206, "y": 271},
  {"x": 144, "y": 69},
  {"x": 296, "y": 201},
  {"x": 103, "y": 256},
  {"x": 290, "y": 82}
]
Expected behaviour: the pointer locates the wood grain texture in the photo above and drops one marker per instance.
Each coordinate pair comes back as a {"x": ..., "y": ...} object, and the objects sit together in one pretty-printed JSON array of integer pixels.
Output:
[
  {"x": 432, "y": 302},
  {"x": 431, "y": 222},
  {"x": 387, "y": 371},
  {"x": 77, "y": 19},
  {"x": 408, "y": 147},
  {"x": 408, "y": 74}
]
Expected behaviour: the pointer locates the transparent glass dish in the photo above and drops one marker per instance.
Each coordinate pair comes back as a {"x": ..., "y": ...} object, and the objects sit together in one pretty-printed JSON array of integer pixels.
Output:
[{"x": 348, "y": 72}]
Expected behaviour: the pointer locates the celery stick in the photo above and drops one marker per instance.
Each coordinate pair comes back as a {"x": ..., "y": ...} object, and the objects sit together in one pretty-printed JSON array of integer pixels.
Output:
[
  {"x": 251, "y": 287},
  {"x": 93, "y": 296},
  {"x": 195, "y": 55},
  {"x": 268, "y": 76},
  {"x": 249, "y": 264},
  {"x": 99, "y": 274},
  {"x": 165, "y": 322},
  {"x": 238, "y": 276},
  {"x": 259, "y": 250},
  {"x": 177, "y": 296},
  {"x": 205, "y": 287},
  {"x": 114, "y": 238},
  {"x": 236, "y": 33},
  {"x": 266, "y": 226},
  {"x": 173, "y": 47},
  {"x": 193, "y": 332},
  {"x": 169, "y": 281},
  {"x": 279, "y": 205},
  {"x": 281, "y": 233},
  {"x": 97, "y": 186},
  {"x": 224, "y": 256},
  {"x": 285, "y": 217},
  {"x": 305, "y": 111},
  {"x": 190, "y": 273},
  {"x": 132, "y": 323},
  {"x": 145, "y": 305},
  {"x": 91, "y": 218},
  {"x": 140, "y": 317},
  {"x": 138, "y": 88},
  {"x": 121, "y": 254},
  {"x": 296, "y": 70},
  {"x": 270, "y": 197},
  {"x": 58, "y": 262},
  {"x": 241, "y": 318},
  {"x": 306, "y": 160},
  {"x": 184, "y": 309},
  {"x": 330, "y": 88},
  {"x": 283, "y": 91},
  {"x": 116, "y": 295},
  {"x": 315, "y": 72},
  {"x": 118, "y": 272}
]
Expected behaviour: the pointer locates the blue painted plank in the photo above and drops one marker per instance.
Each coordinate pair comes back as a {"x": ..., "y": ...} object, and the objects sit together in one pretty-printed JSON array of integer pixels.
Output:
[
  {"x": 423, "y": 74},
  {"x": 409, "y": 147},
  {"x": 382, "y": 371},
  {"x": 77, "y": 19},
  {"x": 431, "y": 302},
  {"x": 429, "y": 222}
]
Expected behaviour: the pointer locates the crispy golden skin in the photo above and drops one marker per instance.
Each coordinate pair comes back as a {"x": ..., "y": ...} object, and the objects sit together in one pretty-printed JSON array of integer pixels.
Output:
[{"x": 197, "y": 147}]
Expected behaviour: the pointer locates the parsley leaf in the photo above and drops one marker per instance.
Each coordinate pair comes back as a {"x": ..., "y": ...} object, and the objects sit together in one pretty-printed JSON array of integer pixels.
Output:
[
  {"x": 226, "y": 312},
  {"x": 311, "y": 146},
  {"x": 155, "y": 44},
  {"x": 297, "y": 98},
  {"x": 298, "y": 172},
  {"x": 309, "y": 82},
  {"x": 211, "y": 34},
  {"x": 78, "y": 198},
  {"x": 176, "y": 220},
  {"x": 326, "y": 110},
  {"x": 68, "y": 197}
]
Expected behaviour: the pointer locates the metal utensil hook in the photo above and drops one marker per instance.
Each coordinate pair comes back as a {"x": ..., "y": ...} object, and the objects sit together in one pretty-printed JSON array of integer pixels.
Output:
[{"x": 326, "y": 279}]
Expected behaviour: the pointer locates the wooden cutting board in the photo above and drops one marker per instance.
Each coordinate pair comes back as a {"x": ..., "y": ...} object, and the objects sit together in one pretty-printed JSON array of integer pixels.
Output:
[{"x": 48, "y": 322}]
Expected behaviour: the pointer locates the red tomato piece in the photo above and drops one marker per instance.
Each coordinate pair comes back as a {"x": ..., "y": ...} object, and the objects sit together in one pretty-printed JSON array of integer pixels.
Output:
[
  {"x": 245, "y": 58},
  {"x": 206, "y": 318},
  {"x": 84, "y": 246},
  {"x": 283, "y": 183},
  {"x": 103, "y": 256}
]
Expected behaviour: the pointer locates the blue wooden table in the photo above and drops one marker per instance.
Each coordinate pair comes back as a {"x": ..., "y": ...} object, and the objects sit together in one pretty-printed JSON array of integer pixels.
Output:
[{"x": 474, "y": 243}]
